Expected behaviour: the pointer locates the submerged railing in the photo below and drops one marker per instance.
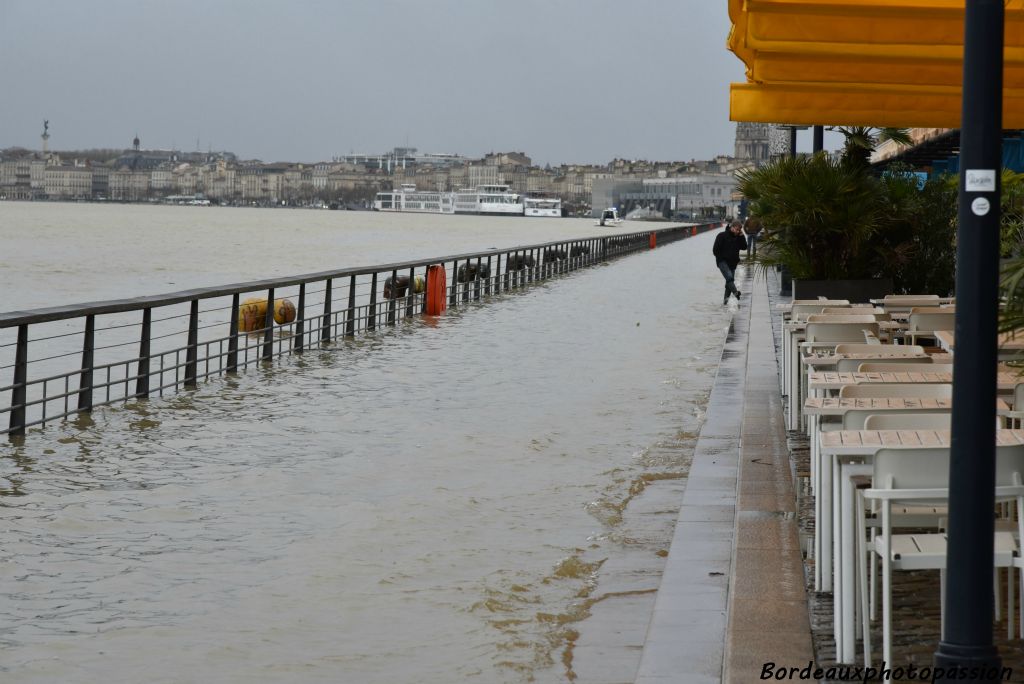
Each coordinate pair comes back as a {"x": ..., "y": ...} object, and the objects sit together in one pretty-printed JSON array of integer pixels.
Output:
[{"x": 64, "y": 360}]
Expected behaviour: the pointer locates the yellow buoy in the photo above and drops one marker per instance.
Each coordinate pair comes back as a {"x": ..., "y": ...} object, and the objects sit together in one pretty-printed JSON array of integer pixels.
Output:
[
  {"x": 284, "y": 311},
  {"x": 252, "y": 314},
  {"x": 420, "y": 285}
]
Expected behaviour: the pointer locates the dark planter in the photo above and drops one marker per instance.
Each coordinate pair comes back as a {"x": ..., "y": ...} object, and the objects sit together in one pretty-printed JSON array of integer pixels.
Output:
[
  {"x": 785, "y": 282},
  {"x": 859, "y": 291}
]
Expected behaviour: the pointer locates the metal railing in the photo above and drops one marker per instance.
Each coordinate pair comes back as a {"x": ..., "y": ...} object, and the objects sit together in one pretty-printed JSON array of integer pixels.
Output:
[{"x": 64, "y": 360}]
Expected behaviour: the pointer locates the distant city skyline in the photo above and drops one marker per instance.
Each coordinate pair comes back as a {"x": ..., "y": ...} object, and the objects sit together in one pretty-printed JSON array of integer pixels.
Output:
[{"x": 564, "y": 81}]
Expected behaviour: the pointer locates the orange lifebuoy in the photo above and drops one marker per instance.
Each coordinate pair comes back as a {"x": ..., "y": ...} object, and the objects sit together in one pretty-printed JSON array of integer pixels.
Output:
[
  {"x": 694, "y": 230},
  {"x": 654, "y": 240},
  {"x": 437, "y": 286}
]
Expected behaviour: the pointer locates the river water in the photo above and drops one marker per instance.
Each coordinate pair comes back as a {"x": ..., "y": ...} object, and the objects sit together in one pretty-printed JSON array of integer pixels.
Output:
[{"x": 430, "y": 503}]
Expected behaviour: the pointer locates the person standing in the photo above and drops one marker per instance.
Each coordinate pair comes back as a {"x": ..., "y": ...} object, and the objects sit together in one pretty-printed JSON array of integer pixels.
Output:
[
  {"x": 728, "y": 245},
  {"x": 752, "y": 228}
]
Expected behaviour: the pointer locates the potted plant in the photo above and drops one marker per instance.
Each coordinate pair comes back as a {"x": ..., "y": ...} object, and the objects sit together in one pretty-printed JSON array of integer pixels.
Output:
[{"x": 842, "y": 232}]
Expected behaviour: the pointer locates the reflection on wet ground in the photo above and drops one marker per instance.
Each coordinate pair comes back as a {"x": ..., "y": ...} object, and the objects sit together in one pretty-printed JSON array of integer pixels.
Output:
[{"x": 448, "y": 499}]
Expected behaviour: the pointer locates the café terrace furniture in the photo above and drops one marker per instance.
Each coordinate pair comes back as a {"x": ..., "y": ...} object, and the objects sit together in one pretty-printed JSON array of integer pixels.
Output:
[
  {"x": 917, "y": 476},
  {"x": 924, "y": 321},
  {"x": 1010, "y": 344},
  {"x": 852, "y": 451},
  {"x": 828, "y": 359},
  {"x": 821, "y": 332},
  {"x": 821, "y": 468}
]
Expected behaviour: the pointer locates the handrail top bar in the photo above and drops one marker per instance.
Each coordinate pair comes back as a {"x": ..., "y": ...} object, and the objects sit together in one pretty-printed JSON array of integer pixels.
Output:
[{"x": 11, "y": 319}]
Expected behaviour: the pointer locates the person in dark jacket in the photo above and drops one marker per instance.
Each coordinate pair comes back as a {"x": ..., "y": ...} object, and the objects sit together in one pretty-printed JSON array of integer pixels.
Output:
[{"x": 728, "y": 245}]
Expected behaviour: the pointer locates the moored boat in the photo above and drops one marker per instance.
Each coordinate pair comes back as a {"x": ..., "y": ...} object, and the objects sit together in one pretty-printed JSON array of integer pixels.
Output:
[
  {"x": 408, "y": 198},
  {"x": 489, "y": 199},
  {"x": 542, "y": 206}
]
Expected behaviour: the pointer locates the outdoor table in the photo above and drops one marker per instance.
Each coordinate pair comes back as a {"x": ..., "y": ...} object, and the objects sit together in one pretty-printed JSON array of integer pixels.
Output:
[
  {"x": 821, "y": 469},
  {"x": 829, "y": 359},
  {"x": 830, "y": 380},
  {"x": 1010, "y": 345},
  {"x": 850, "y": 452}
]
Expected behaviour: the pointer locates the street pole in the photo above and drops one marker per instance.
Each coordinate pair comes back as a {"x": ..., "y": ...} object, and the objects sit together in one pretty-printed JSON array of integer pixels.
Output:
[
  {"x": 967, "y": 638},
  {"x": 819, "y": 139}
]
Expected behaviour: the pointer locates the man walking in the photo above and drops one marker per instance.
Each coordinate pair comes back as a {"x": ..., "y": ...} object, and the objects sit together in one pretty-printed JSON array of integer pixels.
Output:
[{"x": 728, "y": 245}]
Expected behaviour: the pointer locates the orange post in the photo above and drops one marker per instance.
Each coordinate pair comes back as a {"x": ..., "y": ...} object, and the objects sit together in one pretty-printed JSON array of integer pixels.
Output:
[
  {"x": 654, "y": 240},
  {"x": 694, "y": 231},
  {"x": 437, "y": 285}
]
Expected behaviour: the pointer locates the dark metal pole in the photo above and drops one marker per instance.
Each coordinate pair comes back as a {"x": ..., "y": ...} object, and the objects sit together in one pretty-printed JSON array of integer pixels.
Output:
[
  {"x": 967, "y": 637},
  {"x": 300, "y": 319},
  {"x": 85, "y": 377},
  {"x": 819, "y": 139},
  {"x": 268, "y": 328},
  {"x": 792, "y": 141},
  {"x": 142, "y": 379},
  {"x": 192, "y": 351},
  {"x": 19, "y": 390},
  {"x": 233, "y": 337}
]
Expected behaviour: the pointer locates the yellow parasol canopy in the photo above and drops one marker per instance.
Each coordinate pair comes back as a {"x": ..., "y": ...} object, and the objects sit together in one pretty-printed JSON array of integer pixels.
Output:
[{"x": 862, "y": 62}]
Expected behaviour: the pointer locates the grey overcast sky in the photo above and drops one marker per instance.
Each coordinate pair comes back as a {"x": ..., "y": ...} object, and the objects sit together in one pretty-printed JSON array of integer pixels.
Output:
[{"x": 305, "y": 80}]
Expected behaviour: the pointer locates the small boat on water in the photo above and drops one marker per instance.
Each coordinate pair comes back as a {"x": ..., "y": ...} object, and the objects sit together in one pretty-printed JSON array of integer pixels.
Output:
[{"x": 609, "y": 217}]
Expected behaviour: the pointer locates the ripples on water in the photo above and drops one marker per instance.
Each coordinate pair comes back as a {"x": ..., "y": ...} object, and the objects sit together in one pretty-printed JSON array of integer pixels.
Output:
[{"x": 433, "y": 503}]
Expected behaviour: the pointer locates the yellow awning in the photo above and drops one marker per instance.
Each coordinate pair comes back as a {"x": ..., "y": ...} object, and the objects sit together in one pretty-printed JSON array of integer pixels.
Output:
[{"x": 861, "y": 62}]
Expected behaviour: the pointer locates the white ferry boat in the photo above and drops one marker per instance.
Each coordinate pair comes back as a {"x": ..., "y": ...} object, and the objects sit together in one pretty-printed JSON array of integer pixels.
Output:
[
  {"x": 408, "y": 198},
  {"x": 542, "y": 206},
  {"x": 489, "y": 199}
]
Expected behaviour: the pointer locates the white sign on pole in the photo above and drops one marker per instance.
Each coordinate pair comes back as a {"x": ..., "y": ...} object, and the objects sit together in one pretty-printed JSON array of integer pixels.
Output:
[{"x": 980, "y": 180}]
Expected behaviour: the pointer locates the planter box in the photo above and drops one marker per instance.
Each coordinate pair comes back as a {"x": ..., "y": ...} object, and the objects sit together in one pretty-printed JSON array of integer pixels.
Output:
[{"x": 859, "y": 291}]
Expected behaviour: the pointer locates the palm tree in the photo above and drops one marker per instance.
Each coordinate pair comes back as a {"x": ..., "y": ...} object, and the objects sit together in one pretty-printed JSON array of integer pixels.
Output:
[{"x": 861, "y": 141}]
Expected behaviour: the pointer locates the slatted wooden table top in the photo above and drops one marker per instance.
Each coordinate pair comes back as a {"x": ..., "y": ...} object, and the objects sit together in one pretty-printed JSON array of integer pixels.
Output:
[
  {"x": 837, "y": 406},
  {"x": 1005, "y": 380},
  {"x": 864, "y": 441}
]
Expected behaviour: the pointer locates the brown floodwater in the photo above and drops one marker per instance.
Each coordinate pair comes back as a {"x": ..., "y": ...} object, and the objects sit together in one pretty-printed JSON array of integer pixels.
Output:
[{"x": 430, "y": 503}]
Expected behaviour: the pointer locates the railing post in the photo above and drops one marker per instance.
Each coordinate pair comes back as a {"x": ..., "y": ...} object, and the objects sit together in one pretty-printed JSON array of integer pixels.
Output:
[
  {"x": 300, "y": 319},
  {"x": 454, "y": 292},
  {"x": 476, "y": 281},
  {"x": 371, "y": 319},
  {"x": 142, "y": 381},
  {"x": 488, "y": 285},
  {"x": 411, "y": 293},
  {"x": 19, "y": 392},
  {"x": 350, "y": 322},
  {"x": 325, "y": 328},
  {"x": 192, "y": 351},
  {"x": 465, "y": 285},
  {"x": 85, "y": 377},
  {"x": 391, "y": 300},
  {"x": 268, "y": 328},
  {"x": 233, "y": 337}
]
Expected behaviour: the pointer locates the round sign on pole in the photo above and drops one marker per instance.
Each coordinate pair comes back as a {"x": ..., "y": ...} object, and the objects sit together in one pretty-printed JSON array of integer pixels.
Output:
[{"x": 980, "y": 206}]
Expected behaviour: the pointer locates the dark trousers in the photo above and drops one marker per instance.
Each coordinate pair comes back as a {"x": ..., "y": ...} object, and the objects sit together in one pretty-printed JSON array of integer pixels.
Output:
[
  {"x": 752, "y": 245},
  {"x": 729, "y": 274}
]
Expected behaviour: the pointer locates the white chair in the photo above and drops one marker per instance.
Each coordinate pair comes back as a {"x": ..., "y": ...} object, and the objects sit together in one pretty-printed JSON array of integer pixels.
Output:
[
  {"x": 905, "y": 305},
  {"x": 880, "y": 349},
  {"x": 920, "y": 476},
  {"x": 854, "y": 365},
  {"x": 898, "y": 365},
  {"x": 843, "y": 329},
  {"x": 908, "y": 421},
  {"x": 924, "y": 321},
  {"x": 879, "y": 314},
  {"x": 1014, "y": 416},
  {"x": 913, "y": 390}
]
